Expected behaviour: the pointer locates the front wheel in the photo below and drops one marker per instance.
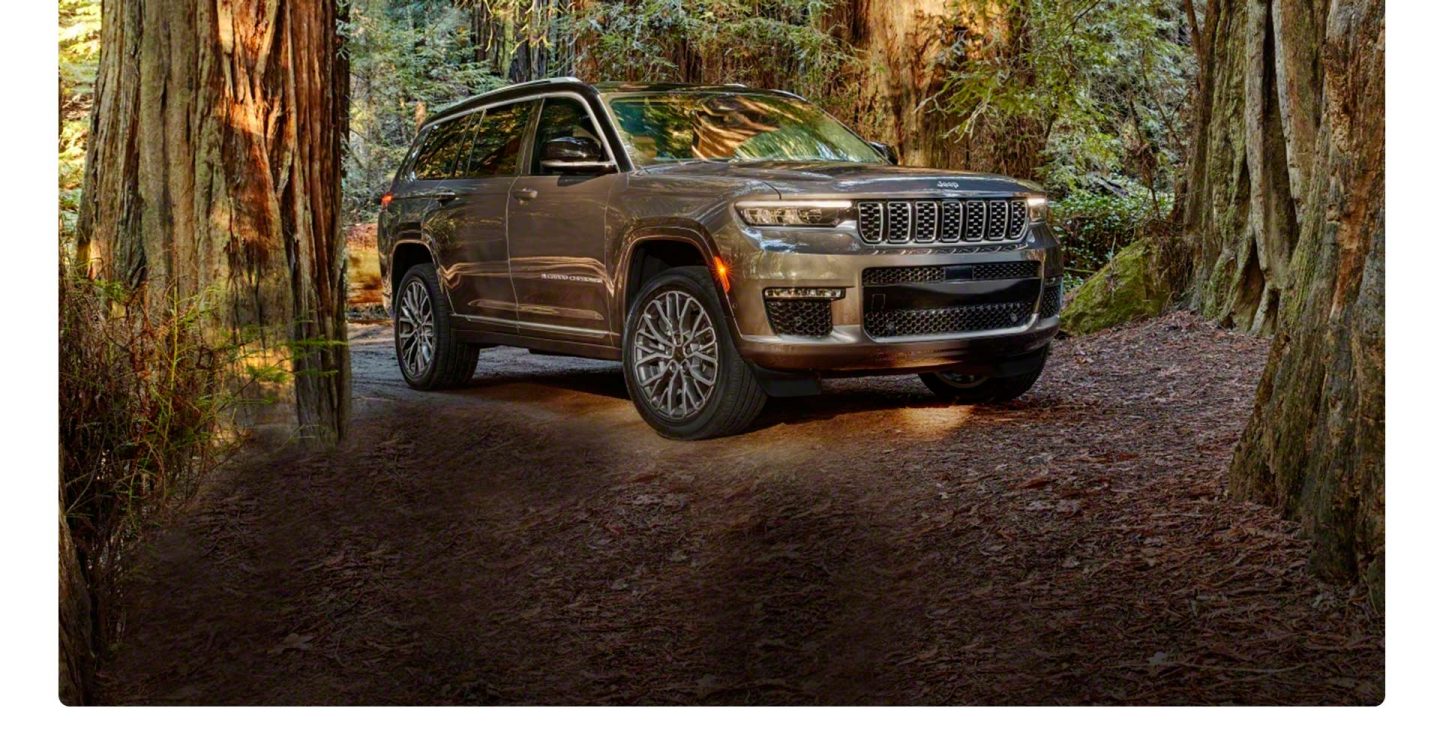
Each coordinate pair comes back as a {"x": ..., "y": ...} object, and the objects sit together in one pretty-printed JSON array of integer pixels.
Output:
[
  {"x": 981, "y": 389},
  {"x": 681, "y": 368}
]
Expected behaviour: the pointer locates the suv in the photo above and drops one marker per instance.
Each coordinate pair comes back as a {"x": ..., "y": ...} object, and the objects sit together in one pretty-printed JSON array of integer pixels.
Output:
[{"x": 725, "y": 243}]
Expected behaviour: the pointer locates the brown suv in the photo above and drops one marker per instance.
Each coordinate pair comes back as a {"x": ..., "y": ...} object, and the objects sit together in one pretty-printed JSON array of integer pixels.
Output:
[{"x": 725, "y": 243}]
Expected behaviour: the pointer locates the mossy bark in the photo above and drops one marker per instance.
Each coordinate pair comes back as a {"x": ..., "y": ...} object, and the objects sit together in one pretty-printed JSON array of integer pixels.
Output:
[
  {"x": 214, "y": 164},
  {"x": 1316, "y": 441},
  {"x": 1257, "y": 114}
]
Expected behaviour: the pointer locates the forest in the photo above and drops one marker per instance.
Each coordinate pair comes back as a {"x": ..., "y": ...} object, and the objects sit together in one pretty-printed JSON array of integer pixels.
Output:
[{"x": 1216, "y": 178}]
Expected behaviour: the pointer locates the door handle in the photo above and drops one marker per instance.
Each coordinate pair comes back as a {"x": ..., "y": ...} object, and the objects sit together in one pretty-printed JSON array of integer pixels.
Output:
[
  {"x": 445, "y": 196},
  {"x": 526, "y": 194}
]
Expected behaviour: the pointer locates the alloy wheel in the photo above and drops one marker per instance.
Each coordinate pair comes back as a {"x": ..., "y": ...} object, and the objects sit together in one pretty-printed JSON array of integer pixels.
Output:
[
  {"x": 676, "y": 355},
  {"x": 416, "y": 329}
]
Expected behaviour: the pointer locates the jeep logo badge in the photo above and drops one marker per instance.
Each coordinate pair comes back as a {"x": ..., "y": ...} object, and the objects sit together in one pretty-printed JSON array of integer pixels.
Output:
[{"x": 947, "y": 185}]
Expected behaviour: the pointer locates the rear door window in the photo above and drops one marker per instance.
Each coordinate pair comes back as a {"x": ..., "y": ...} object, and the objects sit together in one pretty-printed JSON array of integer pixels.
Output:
[
  {"x": 441, "y": 156},
  {"x": 499, "y": 136}
]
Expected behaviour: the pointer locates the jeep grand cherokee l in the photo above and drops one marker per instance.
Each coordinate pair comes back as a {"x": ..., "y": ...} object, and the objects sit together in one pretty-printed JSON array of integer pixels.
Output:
[{"x": 726, "y": 244}]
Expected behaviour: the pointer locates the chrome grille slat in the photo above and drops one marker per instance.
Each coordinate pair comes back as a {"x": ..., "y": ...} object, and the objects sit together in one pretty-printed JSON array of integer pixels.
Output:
[
  {"x": 897, "y": 221},
  {"x": 974, "y": 221},
  {"x": 949, "y": 220},
  {"x": 925, "y": 221},
  {"x": 871, "y": 221},
  {"x": 995, "y": 216},
  {"x": 950, "y": 217},
  {"x": 1019, "y": 213}
]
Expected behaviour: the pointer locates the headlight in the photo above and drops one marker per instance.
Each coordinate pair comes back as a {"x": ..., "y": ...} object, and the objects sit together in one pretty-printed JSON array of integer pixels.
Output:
[
  {"x": 794, "y": 213},
  {"x": 1039, "y": 208}
]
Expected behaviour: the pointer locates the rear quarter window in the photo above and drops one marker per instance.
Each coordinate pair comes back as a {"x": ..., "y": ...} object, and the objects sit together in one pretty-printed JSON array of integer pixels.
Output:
[{"x": 446, "y": 144}]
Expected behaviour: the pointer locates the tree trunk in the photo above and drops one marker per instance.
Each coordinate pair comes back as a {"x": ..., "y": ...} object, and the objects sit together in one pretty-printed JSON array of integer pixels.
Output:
[
  {"x": 77, "y": 629},
  {"x": 215, "y": 165},
  {"x": 1257, "y": 115},
  {"x": 518, "y": 40},
  {"x": 1316, "y": 440}
]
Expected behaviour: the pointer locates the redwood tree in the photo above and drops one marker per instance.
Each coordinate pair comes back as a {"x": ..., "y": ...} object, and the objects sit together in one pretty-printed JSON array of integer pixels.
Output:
[
  {"x": 214, "y": 164},
  {"x": 1286, "y": 233}
]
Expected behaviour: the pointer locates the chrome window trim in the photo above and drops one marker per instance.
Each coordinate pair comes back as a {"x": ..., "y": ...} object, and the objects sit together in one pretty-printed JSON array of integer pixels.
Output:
[{"x": 604, "y": 141}]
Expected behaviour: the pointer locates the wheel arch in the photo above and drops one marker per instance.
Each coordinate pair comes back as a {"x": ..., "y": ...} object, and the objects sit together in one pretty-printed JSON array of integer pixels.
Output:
[
  {"x": 652, "y": 250},
  {"x": 404, "y": 255}
]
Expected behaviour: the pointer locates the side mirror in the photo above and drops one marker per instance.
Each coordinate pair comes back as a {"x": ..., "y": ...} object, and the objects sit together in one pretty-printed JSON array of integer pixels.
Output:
[
  {"x": 887, "y": 151},
  {"x": 574, "y": 154}
]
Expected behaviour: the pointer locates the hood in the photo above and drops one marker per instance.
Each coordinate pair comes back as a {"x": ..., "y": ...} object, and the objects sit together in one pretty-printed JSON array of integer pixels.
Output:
[{"x": 834, "y": 178}]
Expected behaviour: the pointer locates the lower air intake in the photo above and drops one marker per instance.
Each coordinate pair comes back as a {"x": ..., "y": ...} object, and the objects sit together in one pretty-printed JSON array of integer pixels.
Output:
[
  {"x": 939, "y": 321},
  {"x": 799, "y": 317}
]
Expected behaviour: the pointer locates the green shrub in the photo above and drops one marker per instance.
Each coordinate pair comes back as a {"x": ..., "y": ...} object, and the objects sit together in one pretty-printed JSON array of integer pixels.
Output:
[
  {"x": 144, "y": 398},
  {"x": 1093, "y": 226}
]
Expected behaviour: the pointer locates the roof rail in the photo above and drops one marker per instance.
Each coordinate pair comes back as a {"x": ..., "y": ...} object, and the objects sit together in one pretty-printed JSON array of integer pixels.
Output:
[
  {"x": 552, "y": 79},
  {"x": 470, "y": 100}
]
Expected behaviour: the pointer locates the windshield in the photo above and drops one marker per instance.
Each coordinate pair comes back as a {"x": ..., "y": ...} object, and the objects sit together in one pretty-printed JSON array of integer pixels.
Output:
[{"x": 727, "y": 126}]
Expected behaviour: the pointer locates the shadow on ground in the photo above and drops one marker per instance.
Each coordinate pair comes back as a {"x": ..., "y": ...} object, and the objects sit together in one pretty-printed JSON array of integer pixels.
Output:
[{"x": 526, "y": 539}]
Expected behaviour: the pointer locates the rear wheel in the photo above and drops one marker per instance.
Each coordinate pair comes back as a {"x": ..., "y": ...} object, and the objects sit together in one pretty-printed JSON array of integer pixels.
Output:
[
  {"x": 682, "y": 369},
  {"x": 430, "y": 353},
  {"x": 981, "y": 389}
]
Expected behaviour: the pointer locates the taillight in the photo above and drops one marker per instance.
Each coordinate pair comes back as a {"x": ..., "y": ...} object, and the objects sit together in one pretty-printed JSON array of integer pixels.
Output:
[{"x": 385, "y": 200}]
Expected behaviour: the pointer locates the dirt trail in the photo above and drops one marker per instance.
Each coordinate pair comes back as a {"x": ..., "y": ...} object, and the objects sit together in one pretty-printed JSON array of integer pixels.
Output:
[{"x": 529, "y": 540}]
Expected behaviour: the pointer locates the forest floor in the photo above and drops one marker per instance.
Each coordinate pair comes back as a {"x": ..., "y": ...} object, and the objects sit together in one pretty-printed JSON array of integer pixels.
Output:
[{"x": 527, "y": 539}]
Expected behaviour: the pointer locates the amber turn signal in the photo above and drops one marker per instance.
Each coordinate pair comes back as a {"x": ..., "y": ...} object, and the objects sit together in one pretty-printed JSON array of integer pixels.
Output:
[{"x": 722, "y": 274}]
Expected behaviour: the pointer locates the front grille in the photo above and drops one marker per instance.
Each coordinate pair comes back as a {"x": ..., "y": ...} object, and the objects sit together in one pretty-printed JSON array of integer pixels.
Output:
[
  {"x": 1015, "y": 269},
  {"x": 900, "y": 222},
  {"x": 799, "y": 317},
  {"x": 1050, "y": 301},
  {"x": 942, "y": 320}
]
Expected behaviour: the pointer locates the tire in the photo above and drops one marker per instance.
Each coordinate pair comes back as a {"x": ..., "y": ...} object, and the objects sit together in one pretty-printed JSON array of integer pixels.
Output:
[
  {"x": 451, "y": 362},
  {"x": 983, "y": 389},
  {"x": 666, "y": 381}
]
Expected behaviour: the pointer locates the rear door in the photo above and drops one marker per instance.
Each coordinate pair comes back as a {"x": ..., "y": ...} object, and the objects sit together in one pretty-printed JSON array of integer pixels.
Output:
[
  {"x": 469, "y": 216},
  {"x": 558, "y": 235},
  {"x": 445, "y": 200}
]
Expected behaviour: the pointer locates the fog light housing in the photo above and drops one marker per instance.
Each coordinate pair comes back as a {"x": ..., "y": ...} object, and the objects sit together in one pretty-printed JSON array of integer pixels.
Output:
[{"x": 804, "y": 292}]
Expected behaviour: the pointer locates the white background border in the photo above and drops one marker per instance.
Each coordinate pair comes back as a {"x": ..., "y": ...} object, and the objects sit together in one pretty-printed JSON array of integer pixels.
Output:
[{"x": 28, "y": 382}]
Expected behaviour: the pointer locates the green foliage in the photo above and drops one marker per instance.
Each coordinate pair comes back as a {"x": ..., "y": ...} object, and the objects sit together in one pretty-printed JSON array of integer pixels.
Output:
[
  {"x": 144, "y": 392},
  {"x": 769, "y": 43},
  {"x": 406, "y": 59},
  {"x": 1101, "y": 84},
  {"x": 1092, "y": 224},
  {"x": 79, "y": 58}
]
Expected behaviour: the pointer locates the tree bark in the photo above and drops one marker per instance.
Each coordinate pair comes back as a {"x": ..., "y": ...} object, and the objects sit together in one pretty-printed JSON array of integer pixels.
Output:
[
  {"x": 77, "y": 629},
  {"x": 1257, "y": 115},
  {"x": 1315, "y": 443},
  {"x": 214, "y": 164}
]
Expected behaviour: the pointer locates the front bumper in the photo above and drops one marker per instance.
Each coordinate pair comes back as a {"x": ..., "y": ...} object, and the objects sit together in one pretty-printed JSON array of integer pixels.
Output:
[{"x": 760, "y": 260}]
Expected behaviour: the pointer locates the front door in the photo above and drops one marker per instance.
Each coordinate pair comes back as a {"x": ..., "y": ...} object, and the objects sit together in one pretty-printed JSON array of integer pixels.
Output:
[{"x": 558, "y": 236}]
